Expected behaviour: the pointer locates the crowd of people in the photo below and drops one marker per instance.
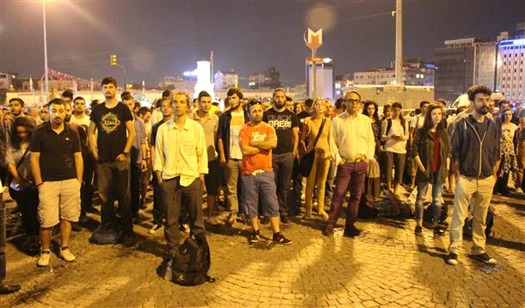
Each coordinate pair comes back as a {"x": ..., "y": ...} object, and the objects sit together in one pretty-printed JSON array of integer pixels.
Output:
[{"x": 56, "y": 158}]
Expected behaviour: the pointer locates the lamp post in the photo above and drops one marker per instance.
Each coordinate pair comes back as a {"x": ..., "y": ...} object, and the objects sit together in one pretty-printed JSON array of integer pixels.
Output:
[{"x": 46, "y": 68}]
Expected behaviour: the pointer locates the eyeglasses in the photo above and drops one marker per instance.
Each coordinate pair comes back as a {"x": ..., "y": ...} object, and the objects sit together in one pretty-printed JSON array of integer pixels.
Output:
[{"x": 254, "y": 102}]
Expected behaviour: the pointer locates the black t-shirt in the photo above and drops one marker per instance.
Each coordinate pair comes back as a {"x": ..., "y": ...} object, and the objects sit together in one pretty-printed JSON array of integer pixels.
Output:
[
  {"x": 57, "y": 159},
  {"x": 111, "y": 127},
  {"x": 154, "y": 130},
  {"x": 283, "y": 122}
]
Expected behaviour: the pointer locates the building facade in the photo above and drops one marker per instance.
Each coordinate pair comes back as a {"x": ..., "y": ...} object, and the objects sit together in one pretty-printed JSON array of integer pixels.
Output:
[
  {"x": 415, "y": 73},
  {"x": 226, "y": 79},
  {"x": 511, "y": 72}
]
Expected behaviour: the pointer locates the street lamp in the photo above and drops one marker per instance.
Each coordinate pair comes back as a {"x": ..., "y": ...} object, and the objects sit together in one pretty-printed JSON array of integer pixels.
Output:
[{"x": 46, "y": 68}]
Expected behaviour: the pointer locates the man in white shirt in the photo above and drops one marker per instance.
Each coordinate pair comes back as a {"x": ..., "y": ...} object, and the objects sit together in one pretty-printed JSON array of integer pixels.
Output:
[
  {"x": 180, "y": 164},
  {"x": 79, "y": 112},
  {"x": 354, "y": 138}
]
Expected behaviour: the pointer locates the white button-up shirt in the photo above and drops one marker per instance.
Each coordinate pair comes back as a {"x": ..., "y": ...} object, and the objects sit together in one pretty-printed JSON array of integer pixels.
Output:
[
  {"x": 353, "y": 136},
  {"x": 181, "y": 151}
]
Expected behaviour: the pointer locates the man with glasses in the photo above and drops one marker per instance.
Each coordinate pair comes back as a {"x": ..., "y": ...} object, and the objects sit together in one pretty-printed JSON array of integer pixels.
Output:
[{"x": 354, "y": 138}]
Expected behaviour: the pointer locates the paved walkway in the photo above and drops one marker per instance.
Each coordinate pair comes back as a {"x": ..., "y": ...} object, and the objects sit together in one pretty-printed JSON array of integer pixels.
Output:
[{"x": 385, "y": 267}]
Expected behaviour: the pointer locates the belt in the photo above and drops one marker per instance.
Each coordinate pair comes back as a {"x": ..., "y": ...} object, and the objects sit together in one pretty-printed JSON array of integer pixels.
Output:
[
  {"x": 352, "y": 161},
  {"x": 258, "y": 171}
]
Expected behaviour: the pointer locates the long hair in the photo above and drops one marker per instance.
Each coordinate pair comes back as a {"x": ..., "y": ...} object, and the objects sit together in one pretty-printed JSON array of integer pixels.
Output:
[
  {"x": 376, "y": 113},
  {"x": 23, "y": 122},
  {"x": 428, "y": 119},
  {"x": 401, "y": 119}
]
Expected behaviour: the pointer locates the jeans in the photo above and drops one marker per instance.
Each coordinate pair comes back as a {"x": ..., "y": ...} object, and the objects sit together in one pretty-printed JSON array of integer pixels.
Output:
[
  {"x": 282, "y": 167},
  {"x": 297, "y": 189},
  {"x": 259, "y": 189},
  {"x": 174, "y": 196},
  {"x": 87, "y": 190},
  {"x": 437, "y": 191},
  {"x": 134, "y": 188},
  {"x": 480, "y": 190},
  {"x": 158, "y": 210},
  {"x": 113, "y": 182},
  {"x": 397, "y": 160},
  {"x": 350, "y": 176},
  {"x": 27, "y": 201}
]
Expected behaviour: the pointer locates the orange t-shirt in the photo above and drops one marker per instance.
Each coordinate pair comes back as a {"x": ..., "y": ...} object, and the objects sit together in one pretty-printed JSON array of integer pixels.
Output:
[{"x": 261, "y": 160}]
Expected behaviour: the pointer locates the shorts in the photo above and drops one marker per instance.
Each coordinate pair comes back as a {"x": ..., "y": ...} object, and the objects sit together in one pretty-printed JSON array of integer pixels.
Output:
[
  {"x": 260, "y": 187},
  {"x": 58, "y": 200},
  {"x": 212, "y": 178}
]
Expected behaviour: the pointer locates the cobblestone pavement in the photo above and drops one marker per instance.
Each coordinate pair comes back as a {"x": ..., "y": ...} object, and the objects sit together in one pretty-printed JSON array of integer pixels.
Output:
[{"x": 387, "y": 266}]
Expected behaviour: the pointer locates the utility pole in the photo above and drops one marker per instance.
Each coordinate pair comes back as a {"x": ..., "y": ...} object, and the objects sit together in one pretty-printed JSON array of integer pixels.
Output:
[{"x": 399, "y": 42}]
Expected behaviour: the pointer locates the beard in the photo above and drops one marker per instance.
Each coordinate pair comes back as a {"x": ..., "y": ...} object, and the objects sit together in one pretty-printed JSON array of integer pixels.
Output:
[{"x": 482, "y": 110}]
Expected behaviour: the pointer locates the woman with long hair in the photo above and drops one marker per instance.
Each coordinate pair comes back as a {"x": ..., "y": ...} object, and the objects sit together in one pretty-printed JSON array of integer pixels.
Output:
[
  {"x": 22, "y": 189},
  {"x": 372, "y": 186},
  {"x": 509, "y": 164},
  {"x": 394, "y": 132},
  {"x": 323, "y": 155},
  {"x": 431, "y": 153}
]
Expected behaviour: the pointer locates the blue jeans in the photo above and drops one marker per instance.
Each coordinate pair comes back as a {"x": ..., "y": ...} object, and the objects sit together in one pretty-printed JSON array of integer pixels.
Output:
[
  {"x": 260, "y": 187},
  {"x": 113, "y": 183},
  {"x": 437, "y": 190},
  {"x": 282, "y": 167},
  {"x": 174, "y": 196}
]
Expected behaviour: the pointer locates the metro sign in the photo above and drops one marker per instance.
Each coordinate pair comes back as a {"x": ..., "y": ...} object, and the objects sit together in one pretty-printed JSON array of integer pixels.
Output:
[{"x": 314, "y": 40}]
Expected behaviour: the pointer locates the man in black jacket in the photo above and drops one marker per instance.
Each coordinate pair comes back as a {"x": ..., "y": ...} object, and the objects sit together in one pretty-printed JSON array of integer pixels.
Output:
[{"x": 475, "y": 155}]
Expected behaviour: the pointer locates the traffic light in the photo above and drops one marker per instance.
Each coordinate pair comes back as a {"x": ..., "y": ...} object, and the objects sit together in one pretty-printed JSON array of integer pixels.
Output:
[{"x": 113, "y": 59}]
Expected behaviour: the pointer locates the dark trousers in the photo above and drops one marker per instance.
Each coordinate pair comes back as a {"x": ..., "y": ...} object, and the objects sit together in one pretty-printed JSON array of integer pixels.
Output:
[
  {"x": 113, "y": 183},
  {"x": 329, "y": 186},
  {"x": 282, "y": 167},
  {"x": 2, "y": 240},
  {"x": 350, "y": 176},
  {"x": 174, "y": 197},
  {"x": 134, "y": 188},
  {"x": 158, "y": 211},
  {"x": 87, "y": 189},
  {"x": 27, "y": 202},
  {"x": 297, "y": 189},
  {"x": 398, "y": 161}
]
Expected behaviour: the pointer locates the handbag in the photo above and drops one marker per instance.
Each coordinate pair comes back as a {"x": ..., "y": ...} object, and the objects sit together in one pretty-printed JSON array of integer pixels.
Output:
[
  {"x": 307, "y": 161},
  {"x": 15, "y": 185}
]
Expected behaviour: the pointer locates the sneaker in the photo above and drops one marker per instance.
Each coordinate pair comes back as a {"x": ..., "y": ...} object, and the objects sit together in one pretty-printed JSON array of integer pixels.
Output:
[
  {"x": 452, "y": 259},
  {"x": 280, "y": 239},
  {"x": 155, "y": 228},
  {"x": 351, "y": 231},
  {"x": 284, "y": 219},
  {"x": 255, "y": 237},
  {"x": 418, "y": 230},
  {"x": 485, "y": 258},
  {"x": 45, "y": 256},
  {"x": 66, "y": 254},
  {"x": 439, "y": 232},
  {"x": 519, "y": 190}
]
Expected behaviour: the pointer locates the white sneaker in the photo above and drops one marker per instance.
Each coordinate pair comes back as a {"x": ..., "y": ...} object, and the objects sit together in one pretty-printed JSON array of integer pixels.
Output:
[
  {"x": 45, "y": 256},
  {"x": 67, "y": 255},
  {"x": 519, "y": 190}
]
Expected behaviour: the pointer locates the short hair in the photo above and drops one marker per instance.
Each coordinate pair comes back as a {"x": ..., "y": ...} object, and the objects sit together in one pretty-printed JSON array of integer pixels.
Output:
[
  {"x": 203, "y": 94},
  {"x": 182, "y": 93},
  {"x": 126, "y": 96},
  {"x": 78, "y": 98},
  {"x": 233, "y": 91},
  {"x": 94, "y": 103},
  {"x": 17, "y": 99},
  {"x": 109, "y": 80},
  {"x": 501, "y": 102},
  {"x": 166, "y": 93},
  {"x": 387, "y": 107},
  {"x": 423, "y": 103},
  {"x": 308, "y": 102},
  {"x": 279, "y": 90},
  {"x": 143, "y": 110},
  {"x": 68, "y": 93},
  {"x": 254, "y": 102},
  {"x": 339, "y": 103},
  {"x": 474, "y": 90},
  {"x": 355, "y": 92},
  {"x": 289, "y": 99},
  {"x": 56, "y": 101}
]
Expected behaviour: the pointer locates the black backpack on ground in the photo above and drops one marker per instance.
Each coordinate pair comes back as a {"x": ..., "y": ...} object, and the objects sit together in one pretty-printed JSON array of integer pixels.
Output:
[
  {"x": 106, "y": 235},
  {"x": 192, "y": 262},
  {"x": 467, "y": 227}
]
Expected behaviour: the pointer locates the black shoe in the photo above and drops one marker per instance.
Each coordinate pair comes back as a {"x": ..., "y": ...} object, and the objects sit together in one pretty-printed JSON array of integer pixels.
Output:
[
  {"x": 255, "y": 237},
  {"x": 165, "y": 269},
  {"x": 264, "y": 220},
  {"x": 130, "y": 239},
  {"x": 351, "y": 231},
  {"x": 418, "y": 230},
  {"x": 328, "y": 230},
  {"x": 485, "y": 258},
  {"x": 76, "y": 226},
  {"x": 280, "y": 239},
  {"x": 9, "y": 288},
  {"x": 439, "y": 232},
  {"x": 284, "y": 219}
]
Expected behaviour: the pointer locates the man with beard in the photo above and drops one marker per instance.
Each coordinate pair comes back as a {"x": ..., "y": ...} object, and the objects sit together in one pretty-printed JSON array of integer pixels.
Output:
[
  {"x": 230, "y": 155},
  {"x": 286, "y": 127},
  {"x": 79, "y": 113},
  {"x": 110, "y": 149},
  {"x": 475, "y": 155},
  {"x": 56, "y": 163},
  {"x": 257, "y": 139}
]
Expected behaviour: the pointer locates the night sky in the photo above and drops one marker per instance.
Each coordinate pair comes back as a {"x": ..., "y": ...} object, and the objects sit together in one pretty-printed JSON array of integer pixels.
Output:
[{"x": 154, "y": 39}]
